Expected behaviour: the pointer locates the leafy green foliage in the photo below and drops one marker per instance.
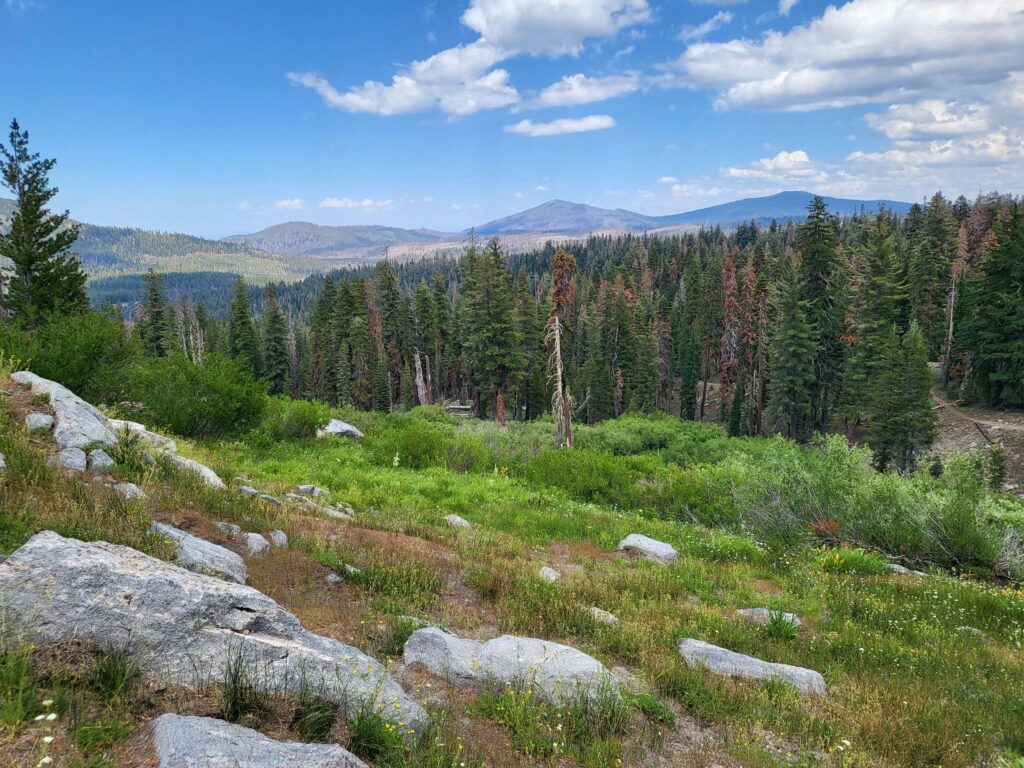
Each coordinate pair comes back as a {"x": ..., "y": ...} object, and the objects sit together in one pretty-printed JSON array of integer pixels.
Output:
[{"x": 287, "y": 419}]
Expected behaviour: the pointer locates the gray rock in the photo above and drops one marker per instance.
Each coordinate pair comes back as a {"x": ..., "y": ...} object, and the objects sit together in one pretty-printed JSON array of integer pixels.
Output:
[
  {"x": 652, "y": 549},
  {"x": 100, "y": 463},
  {"x": 278, "y": 538},
  {"x": 549, "y": 574},
  {"x": 164, "y": 444},
  {"x": 334, "y": 579},
  {"x": 558, "y": 673},
  {"x": 228, "y": 529},
  {"x": 78, "y": 423},
  {"x": 764, "y": 615},
  {"x": 249, "y": 491},
  {"x": 339, "y": 428},
  {"x": 312, "y": 490},
  {"x": 183, "y": 628},
  {"x": 336, "y": 514},
  {"x": 254, "y": 544},
  {"x": 351, "y": 570},
  {"x": 602, "y": 616},
  {"x": 903, "y": 571},
  {"x": 70, "y": 458},
  {"x": 205, "y": 557},
  {"x": 725, "y": 662},
  {"x": 39, "y": 422},
  {"x": 202, "y": 742},
  {"x": 3, "y": 463},
  {"x": 965, "y": 630},
  {"x": 128, "y": 491},
  {"x": 207, "y": 475},
  {"x": 457, "y": 522},
  {"x": 270, "y": 499}
]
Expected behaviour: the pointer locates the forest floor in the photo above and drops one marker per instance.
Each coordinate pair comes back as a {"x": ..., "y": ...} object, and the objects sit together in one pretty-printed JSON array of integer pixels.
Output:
[{"x": 965, "y": 427}]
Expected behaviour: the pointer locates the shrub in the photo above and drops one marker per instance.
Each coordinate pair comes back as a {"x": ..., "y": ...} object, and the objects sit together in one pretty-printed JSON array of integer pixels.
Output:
[
  {"x": 215, "y": 398},
  {"x": 586, "y": 474},
  {"x": 287, "y": 419},
  {"x": 466, "y": 453},
  {"x": 850, "y": 560},
  {"x": 416, "y": 443}
]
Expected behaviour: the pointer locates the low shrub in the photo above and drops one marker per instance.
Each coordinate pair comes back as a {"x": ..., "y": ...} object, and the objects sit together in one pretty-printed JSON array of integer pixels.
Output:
[
  {"x": 850, "y": 560},
  {"x": 287, "y": 419}
]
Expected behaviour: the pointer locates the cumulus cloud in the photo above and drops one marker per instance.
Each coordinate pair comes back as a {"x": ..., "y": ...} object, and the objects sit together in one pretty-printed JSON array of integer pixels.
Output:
[
  {"x": 559, "y": 127},
  {"x": 866, "y": 51},
  {"x": 720, "y": 19},
  {"x": 462, "y": 80},
  {"x": 245, "y": 205},
  {"x": 785, "y": 6},
  {"x": 578, "y": 89},
  {"x": 291, "y": 204},
  {"x": 930, "y": 119},
  {"x": 540, "y": 188},
  {"x": 347, "y": 202},
  {"x": 668, "y": 180},
  {"x": 784, "y": 166}
]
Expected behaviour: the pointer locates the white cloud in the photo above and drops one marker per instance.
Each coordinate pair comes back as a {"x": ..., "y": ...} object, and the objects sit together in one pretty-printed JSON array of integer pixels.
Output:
[
  {"x": 461, "y": 80},
  {"x": 245, "y": 205},
  {"x": 347, "y": 202},
  {"x": 865, "y": 51},
  {"x": 291, "y": 204},
  {"x": 930, "y": 119},
  {"x": 720, "y": 19},
  {"x": 782, "y": 167},
  {"x": 428, "y": 199},
  {"x": 540, "y": 188},
  {"x": 558, "y": 127},
  {"x": 517, "y": 194},
  {"x": 785, "y": 6},
  {"x": 551, "y": 27},
  {"x": 578, "y": 89},
  {"x": 668, "y": 180}
]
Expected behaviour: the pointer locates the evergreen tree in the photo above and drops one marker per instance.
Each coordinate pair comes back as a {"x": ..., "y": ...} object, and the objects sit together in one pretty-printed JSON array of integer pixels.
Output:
[
  {"x": 276, "y": 368},
  {"x": 322, "y": 340},
  {"x": 243, "y": 344},
  {"x": 152, "y": 324},
  {"x": 47, "y": 276},
  {"x": 791, "y": 366}
]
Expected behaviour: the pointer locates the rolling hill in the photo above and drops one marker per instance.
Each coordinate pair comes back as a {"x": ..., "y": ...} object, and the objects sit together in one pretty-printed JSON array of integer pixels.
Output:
[{"x": 305, "y": 238}]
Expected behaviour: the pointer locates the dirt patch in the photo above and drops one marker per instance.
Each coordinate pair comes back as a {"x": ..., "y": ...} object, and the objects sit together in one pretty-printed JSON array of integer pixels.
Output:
[
  {"x": 766, "y": 587},
  {"x": 19, "y": 403}
]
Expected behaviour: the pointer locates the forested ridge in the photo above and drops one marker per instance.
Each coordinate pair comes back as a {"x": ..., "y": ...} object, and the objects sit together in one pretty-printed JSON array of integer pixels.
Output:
[{"x": 828, "y": 324}]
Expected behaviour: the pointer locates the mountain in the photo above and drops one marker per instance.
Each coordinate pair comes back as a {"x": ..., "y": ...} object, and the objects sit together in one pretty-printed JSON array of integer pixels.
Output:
[
  {"x": 302, "y": 237},
  {"x": 562, "y": 217}
]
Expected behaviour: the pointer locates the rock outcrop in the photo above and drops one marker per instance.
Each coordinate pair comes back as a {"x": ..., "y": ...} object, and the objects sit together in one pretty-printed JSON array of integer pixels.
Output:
[
  {"x": 77, "y": 424},
  {"x": 70, "y": 458},
  {"x": 202, "y": 742},
  {"x": 164, "y": 444},
  {"x": 201, "y": 556},
  {"x": 339, "y": 428},
  {"x": 764, "y": 616},
  {"x": 652, "y": 549},
  {"x": 725, "y": 662},
  {"x": 128, "y": 491},
  {"x": 559, "y": 673},
  {"x": 206, "y": 474},
  {"x": 254, "y": 544},
  {"x": 184, "y": 628}
]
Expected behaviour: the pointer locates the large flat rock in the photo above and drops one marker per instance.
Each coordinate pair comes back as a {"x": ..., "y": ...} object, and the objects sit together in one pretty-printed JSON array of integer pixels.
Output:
[
  {"x": 339, "y": 428},
  {"x": 184, "y": 628},
  {"x": 725, "y": 662},
  {"x": 77, "y": 424},
  {"x": 194, "y": 467},
  {"x": 203, "y": 742},
  {"x": 205, "y": 557},
  {"x": 559, "y": 673},
  {"x": 155, "y": 440},
  {"x": 652, "y": 549}
]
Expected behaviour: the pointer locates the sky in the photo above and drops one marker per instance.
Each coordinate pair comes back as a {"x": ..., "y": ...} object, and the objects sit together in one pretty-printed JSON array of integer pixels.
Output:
[{"x": 224, "y": 117}]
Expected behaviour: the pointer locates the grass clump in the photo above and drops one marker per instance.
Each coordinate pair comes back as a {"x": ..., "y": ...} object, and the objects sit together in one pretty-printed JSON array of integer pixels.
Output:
[{"x": 242, "y": 694}]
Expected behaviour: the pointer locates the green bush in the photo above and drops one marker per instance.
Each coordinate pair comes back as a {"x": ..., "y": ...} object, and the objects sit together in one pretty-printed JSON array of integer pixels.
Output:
[
  {"x": 218, "y": 397},
  {"x": 850, "y": 560},
  {"x": 409, "y": 442},
  {"x": 467, "y": 453},
  {"x": 287, "y": 419},
  {"x": 586, "y": 474}
]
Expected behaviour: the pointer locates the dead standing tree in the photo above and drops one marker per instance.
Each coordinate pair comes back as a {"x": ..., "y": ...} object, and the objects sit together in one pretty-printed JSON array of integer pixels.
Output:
[{"x": 561, "y": 398}]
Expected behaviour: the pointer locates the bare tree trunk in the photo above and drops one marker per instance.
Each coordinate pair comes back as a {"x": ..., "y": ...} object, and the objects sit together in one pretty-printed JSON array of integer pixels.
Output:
[{"x": 422, "y": 391}]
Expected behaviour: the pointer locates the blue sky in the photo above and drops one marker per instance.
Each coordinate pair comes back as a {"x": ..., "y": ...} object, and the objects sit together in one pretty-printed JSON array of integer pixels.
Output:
[{"x": 225, "y": 117}]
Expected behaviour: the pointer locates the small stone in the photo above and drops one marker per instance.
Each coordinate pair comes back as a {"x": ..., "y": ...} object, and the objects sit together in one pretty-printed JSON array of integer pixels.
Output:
[
  {"x": 965, "y": 630},
  {"x": 3, "y": 463},
  {"x": 764, "y": 615},
  {"x": 336, "y": 514},
  {"x": 70, "y": 458},
  {"x": 456, "y": 521},
  {"x": 128, "y": 491},
  {"x": 602, "y": 616},
  {"x": 549, "y": 574},
  {"x": 652, "y": 549},
  {"x": 351, "y": 570},
  {"x": 228, "y": 529},
  {"x": 334, "y": 579},
  {"x": 100, "y": 463},
  {"x": 249, "y": 491},
  {"x": 254, "y": 544},
  {"x": 312, "y": 490},
  {"x": 270, "y": 499},
  {"x": 39, "y": 422},
  {"x": 278, "y": 538}
]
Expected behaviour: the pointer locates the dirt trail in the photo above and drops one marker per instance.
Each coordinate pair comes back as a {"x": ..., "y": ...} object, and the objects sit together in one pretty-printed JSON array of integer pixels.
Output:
[
  {"x": 972, "y": 427},
  {"x": 1013, "y": 426}
]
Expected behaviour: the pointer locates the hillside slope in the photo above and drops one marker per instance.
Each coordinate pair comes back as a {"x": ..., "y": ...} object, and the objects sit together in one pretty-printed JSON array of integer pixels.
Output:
[{"x": 305, "y": 238}]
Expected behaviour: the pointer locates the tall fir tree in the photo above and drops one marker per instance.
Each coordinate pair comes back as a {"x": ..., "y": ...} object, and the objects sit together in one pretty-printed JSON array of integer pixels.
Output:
[
  {"x": 152, "y": 323},
  {"x": 791, "y": 366},
  {"x": 243, "y": 343},
  {"x": 276, "y": 368},
  {"x": 47, "y": 276}
]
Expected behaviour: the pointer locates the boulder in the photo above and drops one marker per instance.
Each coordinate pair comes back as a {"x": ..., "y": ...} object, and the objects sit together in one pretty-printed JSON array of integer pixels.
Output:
[
  {"x": 99, "y": 462},
  {"x": 70, "y": 458},
  {"x": 339, "y": 428},
  {"x": 77, "y": 423},
  {"x": 721, "y": 661},
  {"x": 549, "y": 574},
  {"x": 457, "y": 522},
  {"x": 184, "y": 628},
  {"x": 336, "y": 514},
  {"x": 164, "y": 444},
  {"x": 903, "y": 571},
  {"x": 602, "y": 616},
  {"x": 559, "y": 673},
  {"x": 270, "y": 499},
  {"x": 207, "y": 475},
  {"x": 966, "y": 630},
  {"x": 249, "y": 491},
  {"x": 312, "y": 490},
  {"x": 3, "y": 463},
  {"x": 652, "y": 549},
  {"x": 201, "y": 556},
  {"x": 39, "y": 422},
  {"x": 228, "y": 529},
  {"x": 254, "y": 544},
  {"x": 128, "y": 491},
  {"x": 764, "y": 615},
  {"x": 278, "y": 538},
  {"x": 202, "y": 742}
]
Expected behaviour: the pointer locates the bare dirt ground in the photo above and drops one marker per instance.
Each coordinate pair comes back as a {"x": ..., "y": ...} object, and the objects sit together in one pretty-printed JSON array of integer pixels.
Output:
[{"x": 966, "y": 427}]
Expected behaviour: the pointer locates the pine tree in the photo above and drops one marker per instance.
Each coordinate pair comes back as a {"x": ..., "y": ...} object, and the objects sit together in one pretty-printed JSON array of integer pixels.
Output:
[
  {"x": 243, "y": 344},
  {"x": 152, "y": 324},
  {"x": 276, "y": 369},
  {"x": 791, "y": 366},
  {"x": 47, "y": 277},
  {"x": 322, "y": 336}
]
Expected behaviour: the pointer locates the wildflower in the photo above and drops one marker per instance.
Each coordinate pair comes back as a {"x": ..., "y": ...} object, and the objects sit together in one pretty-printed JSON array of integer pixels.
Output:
[
  {"x": 47, "y": 739},
  {"x": 48, "y": 703}
]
